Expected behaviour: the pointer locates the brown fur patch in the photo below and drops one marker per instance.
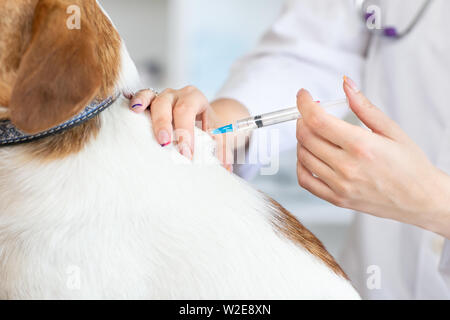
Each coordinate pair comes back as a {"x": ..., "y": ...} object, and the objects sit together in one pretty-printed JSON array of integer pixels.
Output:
[
  {"x": 292, "y": 229},
  {"x": 4, "y": 114},
  {"x": 108, "y": 49},
  {"x": 5, "y": 94},
  {"x": 66, "y": 143},
  {"x": 55, "y": 71},
  {"x": 16, "y": 19}
]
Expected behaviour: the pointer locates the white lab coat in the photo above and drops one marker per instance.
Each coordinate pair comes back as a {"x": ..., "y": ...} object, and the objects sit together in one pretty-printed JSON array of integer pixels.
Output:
[{"x": 312, "y": 45}]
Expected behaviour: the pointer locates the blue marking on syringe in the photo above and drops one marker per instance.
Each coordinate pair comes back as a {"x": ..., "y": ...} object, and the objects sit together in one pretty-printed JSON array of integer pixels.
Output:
[{"x": 226, "y": 129}]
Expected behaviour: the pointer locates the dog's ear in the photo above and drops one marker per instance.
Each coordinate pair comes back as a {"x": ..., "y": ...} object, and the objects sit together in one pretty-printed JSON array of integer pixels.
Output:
[{"x": 59, "y": 73}]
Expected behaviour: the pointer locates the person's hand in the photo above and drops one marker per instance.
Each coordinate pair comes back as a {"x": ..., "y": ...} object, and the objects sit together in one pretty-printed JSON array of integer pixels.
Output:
[
  {"x": 381, "y": 172},
  {"x": 174, "y": 114}
]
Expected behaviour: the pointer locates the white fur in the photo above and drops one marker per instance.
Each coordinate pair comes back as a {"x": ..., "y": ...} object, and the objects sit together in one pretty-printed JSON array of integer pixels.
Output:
[{"x": 140, "y": 221}]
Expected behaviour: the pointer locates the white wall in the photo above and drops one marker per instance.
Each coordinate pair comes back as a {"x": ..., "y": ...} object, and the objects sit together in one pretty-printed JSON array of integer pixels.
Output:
[
  {"x": 214, "y": 34},
  {"x": 191, "y": 41},
  {"x": 143, "y": 25}
]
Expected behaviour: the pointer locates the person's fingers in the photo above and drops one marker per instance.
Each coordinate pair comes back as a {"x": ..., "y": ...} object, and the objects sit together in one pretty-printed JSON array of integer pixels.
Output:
[
  {"x": 330, "y": 128},
  {"x": 327, "y": 152},
  {"x": 314, "y": 185},
  {"x": 161, "y": 114},
  {"x": 190, "y": 103},
  {"x": 315, "y": 165},
  {"x": 369, "y": 114},
  {"x": 207, "y": 120},
  {"x": 142, "y": 100}
]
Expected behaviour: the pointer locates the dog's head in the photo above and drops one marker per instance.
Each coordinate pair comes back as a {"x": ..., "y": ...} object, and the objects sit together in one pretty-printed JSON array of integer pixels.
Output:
[{"x": 55, "y": 57}]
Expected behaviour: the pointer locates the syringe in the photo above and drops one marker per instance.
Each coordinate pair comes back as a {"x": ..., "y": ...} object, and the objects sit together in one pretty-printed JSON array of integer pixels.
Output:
[{"x": 272, "y": 118}]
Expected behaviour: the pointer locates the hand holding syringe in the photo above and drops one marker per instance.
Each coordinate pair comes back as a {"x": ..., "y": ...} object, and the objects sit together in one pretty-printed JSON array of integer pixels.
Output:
[{"x": 272, "y": 118}]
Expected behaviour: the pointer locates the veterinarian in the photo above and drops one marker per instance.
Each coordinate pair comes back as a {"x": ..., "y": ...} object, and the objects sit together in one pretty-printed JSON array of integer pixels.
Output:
[{"x": 397, "y": 172}]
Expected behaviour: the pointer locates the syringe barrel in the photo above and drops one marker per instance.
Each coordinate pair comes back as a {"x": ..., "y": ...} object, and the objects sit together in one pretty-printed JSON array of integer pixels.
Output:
[
  {"x": 268, "y": 119},
  {"x": 281, "y": 116}
]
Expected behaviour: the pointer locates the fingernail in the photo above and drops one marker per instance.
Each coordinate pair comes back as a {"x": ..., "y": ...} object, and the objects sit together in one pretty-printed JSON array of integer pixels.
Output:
[
  {"x": 136, "y": 106},
  {"x": 186, "y": 151},
  {"x": 351, "y": 84},
  {"x": 137, "y": 103},
  {"x": 164, "y": 138}
]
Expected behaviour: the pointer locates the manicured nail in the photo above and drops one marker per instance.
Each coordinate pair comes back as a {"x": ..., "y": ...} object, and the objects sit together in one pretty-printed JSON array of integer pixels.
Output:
[
  {"x": 164, "y": 138},
  {"x": 137, "y": 104},
  {"x": 351, "y": 84},
  {"x": 185, "y": 151}
]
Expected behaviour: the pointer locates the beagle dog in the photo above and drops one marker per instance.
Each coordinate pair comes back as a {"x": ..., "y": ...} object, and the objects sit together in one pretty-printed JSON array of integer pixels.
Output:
[{"x": 91, "y": 207}]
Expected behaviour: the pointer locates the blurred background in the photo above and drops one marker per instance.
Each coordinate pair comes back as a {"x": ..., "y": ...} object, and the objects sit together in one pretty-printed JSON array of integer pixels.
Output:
[{"x": 179, "y": 42}]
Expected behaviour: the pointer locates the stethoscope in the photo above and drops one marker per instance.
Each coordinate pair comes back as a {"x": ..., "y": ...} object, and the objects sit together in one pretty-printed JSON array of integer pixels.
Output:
[{"x": 390, "y": 31}]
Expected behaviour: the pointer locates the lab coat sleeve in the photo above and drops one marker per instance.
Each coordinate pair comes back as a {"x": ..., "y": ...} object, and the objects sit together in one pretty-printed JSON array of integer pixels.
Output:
[
  {"x": 444, "y": 266},
  {"x": 312, "y": 45}
]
